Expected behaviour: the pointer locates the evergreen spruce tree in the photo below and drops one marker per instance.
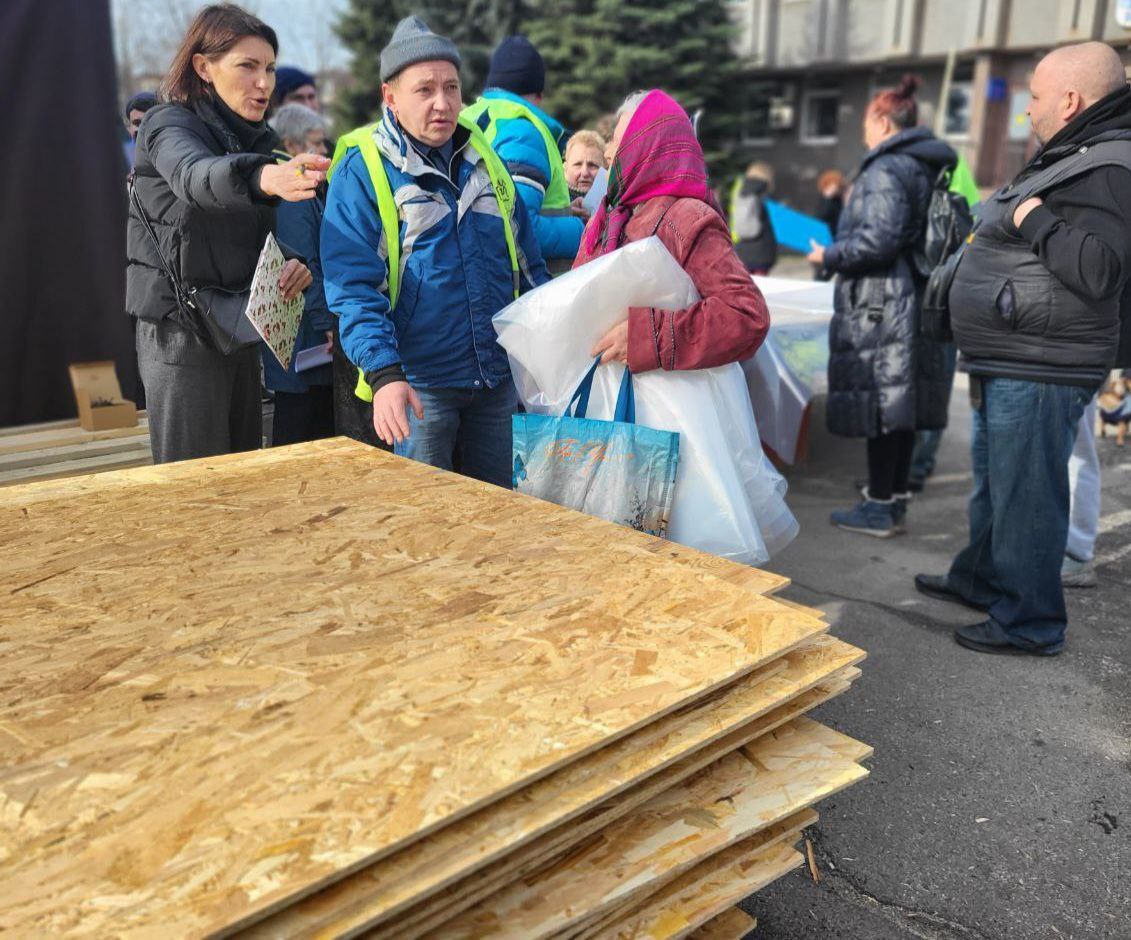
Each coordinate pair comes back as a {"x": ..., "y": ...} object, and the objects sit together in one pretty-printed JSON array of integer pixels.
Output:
[
  {"x": 366, "y": 26},
  {"x": 599, "y": 51}
]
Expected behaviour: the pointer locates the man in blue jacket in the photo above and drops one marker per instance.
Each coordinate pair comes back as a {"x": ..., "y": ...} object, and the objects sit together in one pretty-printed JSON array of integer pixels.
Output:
[
  {"x": 440, "y": 382},
  {"x": 530, "y": 144}
]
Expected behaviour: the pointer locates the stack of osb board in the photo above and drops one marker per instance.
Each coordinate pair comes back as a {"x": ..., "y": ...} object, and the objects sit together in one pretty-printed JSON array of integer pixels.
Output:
[
  {"x": 321, "y": 691},
  {"x": 63, "y": 449}
]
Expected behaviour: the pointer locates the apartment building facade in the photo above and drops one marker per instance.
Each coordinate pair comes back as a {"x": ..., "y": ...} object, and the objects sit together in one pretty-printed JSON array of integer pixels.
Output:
[{"x": 813, "y": 65}]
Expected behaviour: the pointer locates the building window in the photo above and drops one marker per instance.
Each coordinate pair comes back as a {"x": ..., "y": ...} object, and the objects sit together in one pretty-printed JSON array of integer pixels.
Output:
[
  {"x": 820, "y": 114},
  {"x": 959, "y": 104}
]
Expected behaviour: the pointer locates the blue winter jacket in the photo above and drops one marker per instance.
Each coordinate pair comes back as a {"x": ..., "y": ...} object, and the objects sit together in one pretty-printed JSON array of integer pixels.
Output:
[
  {"x": 455, "y": 269},
  {"x": 522, "y": 148},
  {"x": 298, "y": 225}
]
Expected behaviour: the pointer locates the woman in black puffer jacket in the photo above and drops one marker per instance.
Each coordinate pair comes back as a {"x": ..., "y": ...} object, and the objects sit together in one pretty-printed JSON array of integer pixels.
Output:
[
  {"x": 206, "y": 179},
  {"x": 885, "y": 380}
]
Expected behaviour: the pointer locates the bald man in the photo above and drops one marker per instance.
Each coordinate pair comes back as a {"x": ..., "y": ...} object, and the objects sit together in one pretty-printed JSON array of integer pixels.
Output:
[{"x": 1035, "y": 306}]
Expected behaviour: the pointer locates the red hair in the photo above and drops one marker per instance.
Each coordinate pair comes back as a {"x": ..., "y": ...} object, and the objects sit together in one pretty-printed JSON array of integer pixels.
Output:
[{"x": 898, "y": 104}]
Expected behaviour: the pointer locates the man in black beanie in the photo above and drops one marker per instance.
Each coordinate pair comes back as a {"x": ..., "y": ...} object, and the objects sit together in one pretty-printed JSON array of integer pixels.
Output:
[
  {"x": 529, "y": 142},
  {"x": 135, "y": 111}
]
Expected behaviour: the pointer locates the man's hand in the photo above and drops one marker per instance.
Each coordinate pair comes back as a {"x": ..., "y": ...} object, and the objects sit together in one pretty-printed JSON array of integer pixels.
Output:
[
  {"x": 613, "y": 346},
  {"x": 578, "y": 210},
  {"x": 1025, "y": 208},
  {"x": 816, "y": 254},
  {"x": 390, "y": 411}
]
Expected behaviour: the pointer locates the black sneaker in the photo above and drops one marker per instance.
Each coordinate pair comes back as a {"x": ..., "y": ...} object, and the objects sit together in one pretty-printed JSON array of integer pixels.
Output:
[{"x": 936, "y": 586}]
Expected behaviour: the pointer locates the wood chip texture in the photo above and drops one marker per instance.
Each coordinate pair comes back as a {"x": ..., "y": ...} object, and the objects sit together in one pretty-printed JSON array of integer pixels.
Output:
[{"x": 230, "y": 682}]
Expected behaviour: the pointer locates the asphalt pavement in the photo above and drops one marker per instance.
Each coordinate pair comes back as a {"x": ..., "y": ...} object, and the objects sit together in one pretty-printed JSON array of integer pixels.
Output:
[{"x": 999, "y": 803}]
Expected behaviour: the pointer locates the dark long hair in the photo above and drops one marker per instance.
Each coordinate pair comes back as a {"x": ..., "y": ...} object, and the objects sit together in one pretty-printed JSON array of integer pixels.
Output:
[{"x": 214, "y": 31}]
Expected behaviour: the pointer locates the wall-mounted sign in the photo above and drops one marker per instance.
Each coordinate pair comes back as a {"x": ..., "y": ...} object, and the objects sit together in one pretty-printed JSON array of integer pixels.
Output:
[
  {"x": 1018, "y": 116},
  {"x": 997, "y": 89}
]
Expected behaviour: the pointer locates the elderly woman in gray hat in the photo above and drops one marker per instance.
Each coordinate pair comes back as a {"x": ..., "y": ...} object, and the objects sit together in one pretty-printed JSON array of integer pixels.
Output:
[{"x": 304, "y": 404}]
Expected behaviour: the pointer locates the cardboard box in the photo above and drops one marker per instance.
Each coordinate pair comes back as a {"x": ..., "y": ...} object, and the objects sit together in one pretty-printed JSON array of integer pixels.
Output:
[{"x": 99, "y": 397}]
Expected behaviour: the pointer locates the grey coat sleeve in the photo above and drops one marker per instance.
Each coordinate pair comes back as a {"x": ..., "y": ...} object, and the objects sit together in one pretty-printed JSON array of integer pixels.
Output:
[{"x": 199, "y": 177}]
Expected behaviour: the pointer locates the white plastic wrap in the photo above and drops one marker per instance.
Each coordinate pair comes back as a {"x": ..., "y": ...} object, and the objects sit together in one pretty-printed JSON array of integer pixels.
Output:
[{"x": 729, "y": 500}]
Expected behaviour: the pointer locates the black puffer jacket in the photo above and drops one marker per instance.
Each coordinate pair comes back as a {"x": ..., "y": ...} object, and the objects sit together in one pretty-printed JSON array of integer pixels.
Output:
[
  {"x": 883, "y": 376},
  {"x": 197, "y": 172},
  {"x": 1044, "y": 303}
]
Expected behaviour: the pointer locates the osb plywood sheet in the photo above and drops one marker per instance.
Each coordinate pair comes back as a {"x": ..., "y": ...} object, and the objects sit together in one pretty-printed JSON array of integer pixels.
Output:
[
  {"x": 325, "y": 652},
  {"x": 521, "y": 865},
  {"x": 703, "y": 892},
  {"x": 197, "y": 472},
  {"x": 808, "y": 733},
  {"x": 728, "y": 801},
  {"x": 731, "y": 924},
  {"x": 373, "y": 895},
  {"x": 688, "y": 891}
]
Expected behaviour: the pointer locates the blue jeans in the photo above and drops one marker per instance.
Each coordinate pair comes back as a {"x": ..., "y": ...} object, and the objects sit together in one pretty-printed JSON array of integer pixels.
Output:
[
  {"x": 473, "y": 426},
  {"x": 1023, "y": 437},
  {"x": 927, "y": 442}
]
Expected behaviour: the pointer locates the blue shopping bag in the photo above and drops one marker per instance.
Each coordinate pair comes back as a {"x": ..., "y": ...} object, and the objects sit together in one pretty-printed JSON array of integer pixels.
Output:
[{"x": 617, "y": 470}]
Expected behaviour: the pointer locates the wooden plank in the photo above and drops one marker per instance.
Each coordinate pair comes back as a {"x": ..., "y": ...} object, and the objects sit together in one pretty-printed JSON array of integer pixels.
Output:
[
  {"x": 13, "y": 430},
  {"x": 16, "y": 429},
  {"x": 327, "y": 653},
  {"x": 439, "y": 910},
  {"x": 375, "y": 894},
  {"x": 706, "y": 891},
  {"x": 72, "y": 452},
  {"x": 732, "y": 924},
  {"x": 14, "y": 443},
  {"x": 730, "y": 800},
  {"x": 56, "y": 471}
]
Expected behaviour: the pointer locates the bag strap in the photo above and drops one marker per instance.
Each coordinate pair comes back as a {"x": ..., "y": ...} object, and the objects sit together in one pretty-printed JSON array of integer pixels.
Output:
[
  {"x": 625, "y": 411},
  {"x": 580, "y": 397},
  {"x": 626, "y": 400},
  {"x": 148, "y": 225},
  {"x": 184, "y": 299},
  {"x": 1084, "y": 160}
]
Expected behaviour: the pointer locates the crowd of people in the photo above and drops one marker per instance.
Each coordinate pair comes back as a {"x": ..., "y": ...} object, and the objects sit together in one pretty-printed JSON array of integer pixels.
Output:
[{"x": 428, "y": 222}]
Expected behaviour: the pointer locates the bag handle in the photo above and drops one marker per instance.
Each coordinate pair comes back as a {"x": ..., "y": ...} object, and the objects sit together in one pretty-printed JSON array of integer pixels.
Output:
[
  {"x": 626, "y": 400},
  {"x": 625, "y": 411}
]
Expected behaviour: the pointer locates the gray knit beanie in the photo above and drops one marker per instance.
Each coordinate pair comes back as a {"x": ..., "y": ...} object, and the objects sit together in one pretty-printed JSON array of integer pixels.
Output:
[{"x": 414, "y": 42}]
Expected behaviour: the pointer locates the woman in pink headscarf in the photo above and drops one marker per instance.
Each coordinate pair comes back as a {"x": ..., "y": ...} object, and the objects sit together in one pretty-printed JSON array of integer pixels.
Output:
[{"x": 658, "y": 185}]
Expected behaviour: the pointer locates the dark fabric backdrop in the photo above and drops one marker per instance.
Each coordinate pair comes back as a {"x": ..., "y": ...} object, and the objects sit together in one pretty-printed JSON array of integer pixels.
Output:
[{"x": 62, "y": 206}]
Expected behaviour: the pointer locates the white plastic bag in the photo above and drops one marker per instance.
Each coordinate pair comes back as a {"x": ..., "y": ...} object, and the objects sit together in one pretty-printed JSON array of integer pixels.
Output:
[{"x": 729, "y": 500}]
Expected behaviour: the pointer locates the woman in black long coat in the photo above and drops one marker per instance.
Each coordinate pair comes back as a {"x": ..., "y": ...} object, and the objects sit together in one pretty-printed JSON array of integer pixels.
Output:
[
  {"x": 885, "y": 381},
  {"x": 208, "y": 182}
]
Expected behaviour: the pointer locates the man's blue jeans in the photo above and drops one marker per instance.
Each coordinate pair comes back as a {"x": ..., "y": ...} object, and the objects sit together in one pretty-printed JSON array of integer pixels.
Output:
[
  {"x": 473, "y": 426},
  {"x": 1023, "y": 437}
]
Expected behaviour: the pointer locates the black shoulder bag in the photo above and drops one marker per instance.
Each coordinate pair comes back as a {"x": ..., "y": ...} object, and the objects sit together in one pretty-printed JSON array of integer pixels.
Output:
[{"x": 214, "y": 314}]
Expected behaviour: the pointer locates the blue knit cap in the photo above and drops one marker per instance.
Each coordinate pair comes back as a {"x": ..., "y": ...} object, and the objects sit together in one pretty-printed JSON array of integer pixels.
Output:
[
  {"x": 414, "y": 42},
  {"x": 288, "y": 78},
  {"x": 517, "y": 67}
]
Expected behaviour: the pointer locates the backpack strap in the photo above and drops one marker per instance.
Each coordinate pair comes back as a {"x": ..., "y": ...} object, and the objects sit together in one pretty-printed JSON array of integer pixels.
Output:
[{"x": 1084, "y": 160}]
